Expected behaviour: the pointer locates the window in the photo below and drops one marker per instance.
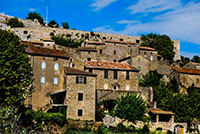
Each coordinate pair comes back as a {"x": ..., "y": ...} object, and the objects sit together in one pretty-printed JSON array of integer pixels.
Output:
[
  {"x": 138, "y": 58},
  {"x": 44, "y": 58},
  {"x": 80, "y": 112},
  {"x": 138, "y": 67},
  {"x": 127, "y": 75},
  {"x": 151, "y": 58},
  {"x": 104, "y": 37},
  {"x": 105, "y": 74},
  {"x": 105, "y": 86},
  {"x": 114, "y": 52},
  {"x": 55, "y": 81},
  {"x": 80, "y": 96},
  {"x": 115, "y": 87},
  {"x": 55, "y": 59},
  {"x": 43, "y": 65},
  {"x": 121, "y": 39},
  {"x": 89, "y": 59},
  {"x": 137, "y": 41},
  {"x": 197, "y": 81},
  {"x": 42, "y": 80},
  {"x": 90, "y": 70},
  {"x": 56, "y": 67},
  {"x": 127, "y": 87},
  {"x": 25, "y": 32},
  {"x": 81, "y": 80},
  {"x": 88, "y": 52},
  {"x": 145, "y": 54},
  {"x": 115, "y": 61},
  {"x": 100, "y": 51},
  {"x": 115, "y": 75}
]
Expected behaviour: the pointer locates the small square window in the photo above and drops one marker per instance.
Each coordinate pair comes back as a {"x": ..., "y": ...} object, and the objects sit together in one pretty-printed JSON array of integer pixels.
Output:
[
  {"x": 80, "y": 112},
  {"x": 137, "y": 41},
  {"x": 55, "y": 59},
  {"x": 81, "y": 80},
  {"x": 90, "y": 70},
  {"x": 80, "y": 96},
  {"x": 89, "y": 59}
]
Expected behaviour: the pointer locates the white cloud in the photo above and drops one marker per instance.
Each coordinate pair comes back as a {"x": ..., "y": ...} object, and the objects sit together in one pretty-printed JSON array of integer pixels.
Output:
[
  {"x": 99, "y": 4},
  {"x": 128, "y": 22},
  {"x": 32, "y": 9},
  {"x": 180, "y": 24},
  {"x": 105, "y": 29},
  {"x": 147, "y": 6}
]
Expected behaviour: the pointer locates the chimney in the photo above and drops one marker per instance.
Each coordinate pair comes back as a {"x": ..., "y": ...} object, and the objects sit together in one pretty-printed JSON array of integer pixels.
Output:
[{"x": 155, "y": 104}]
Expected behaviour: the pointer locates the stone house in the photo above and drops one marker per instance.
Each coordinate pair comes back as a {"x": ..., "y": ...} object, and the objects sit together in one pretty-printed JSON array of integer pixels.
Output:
[
  {"x": 81, "y": 94},
  {"x": 186, "y": 77},
  {"x": 48, "y": 73}
]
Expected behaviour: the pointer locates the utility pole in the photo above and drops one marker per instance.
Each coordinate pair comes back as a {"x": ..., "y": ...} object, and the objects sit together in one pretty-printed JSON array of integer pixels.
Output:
[{"x": 46, "y": 16}]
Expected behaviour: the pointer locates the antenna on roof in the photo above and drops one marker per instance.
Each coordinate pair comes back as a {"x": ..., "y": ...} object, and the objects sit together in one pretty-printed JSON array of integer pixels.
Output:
[{"x": 46, "y": 16}]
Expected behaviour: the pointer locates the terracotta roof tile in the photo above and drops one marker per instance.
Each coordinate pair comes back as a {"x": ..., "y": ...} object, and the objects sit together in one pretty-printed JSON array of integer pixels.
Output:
[
  {"x": 47, "y": 39},
  {"x": 32, "y": 42},
  {"x": 109, "y": 65},
  {"x": 87, "y": 49},
  {"x": 159, "y": 111},
  {"x": 186, "y": 70},
  {"x": 95, "y": 42},
  {"x": 46, "y": 51},
  {"x": 121, "y": 42},
  {"x": 147, "y": 48},
  {"x": 72, "y": 71}
]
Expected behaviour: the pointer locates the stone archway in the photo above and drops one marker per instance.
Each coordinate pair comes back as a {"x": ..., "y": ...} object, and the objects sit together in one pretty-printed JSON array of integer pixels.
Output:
[{"x": 179, "y": 129}]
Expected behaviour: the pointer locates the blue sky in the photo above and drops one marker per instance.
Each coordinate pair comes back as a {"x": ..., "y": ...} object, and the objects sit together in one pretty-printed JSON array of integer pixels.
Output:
[{"x": 179, "y": 19}]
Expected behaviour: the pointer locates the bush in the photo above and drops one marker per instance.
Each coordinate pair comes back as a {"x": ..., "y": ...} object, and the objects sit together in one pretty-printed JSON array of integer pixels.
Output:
[
  {"x": 40, "y": 116},
  {"x": 145, "y": 129},
  {"x": 169, "y": 132},
  {"x": 66, "y": 41},
  {"x": 14, "y": 22},
  {"x": 159, "y": 129}
]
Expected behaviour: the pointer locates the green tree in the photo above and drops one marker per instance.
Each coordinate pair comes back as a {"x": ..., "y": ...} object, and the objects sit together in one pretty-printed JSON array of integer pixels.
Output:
[
  {"x": 53, "y": 23},
  {"x": 15, "y": 70},
  {"x": 35, "y": 15},
  {"x": 196, "y": 58},
  {"x": 66, "y": 41},
  {"x": 65, "y": 25},
  {"x": 14, "y": 22},
  {"x": 130, "y": 107},
  {"x": 184, "y": 60},
  {"x": 162, "y": 43}
]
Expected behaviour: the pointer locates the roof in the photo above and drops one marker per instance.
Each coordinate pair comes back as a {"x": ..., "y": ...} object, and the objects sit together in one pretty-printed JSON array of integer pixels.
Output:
[
  {"x": 31, "y": 42},
  {"x": 147, "y": 48},
  {"x": 159, "y": 111},
  {"x": 47, "y": 39},
  {"x": 120, "y": 42},
  {"x": 109, "y": 65},
  {"x": 87, "y": 49},
  {"x": 46, "y": 51},
  {"x": 72, "y": 71},
  {"x": 187, "y": 70},
  {"x": 95, "y": 42}
]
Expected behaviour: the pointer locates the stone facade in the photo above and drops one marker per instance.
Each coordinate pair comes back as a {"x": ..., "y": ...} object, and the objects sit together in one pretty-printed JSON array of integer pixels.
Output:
[
  {"x": 81, "y": 95},
  {"x": 48, "y": 78}
]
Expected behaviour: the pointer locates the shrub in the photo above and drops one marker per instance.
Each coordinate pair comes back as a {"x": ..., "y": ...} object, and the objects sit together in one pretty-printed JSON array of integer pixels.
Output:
[
  {"x": 66, "y": 41},
  {"x": 169, "y": 132},
  {"x": 145, "y": 129},
  {"x": 14, "y": 22},
  {"x": 40, "y": 116}
]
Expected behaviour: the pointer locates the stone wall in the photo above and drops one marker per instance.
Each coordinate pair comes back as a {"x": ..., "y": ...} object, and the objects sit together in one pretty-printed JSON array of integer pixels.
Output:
[
  {"x": 41, "y": 94},
  {"x": 120, "y": 83},
  {"x": 89, "y": 97}
]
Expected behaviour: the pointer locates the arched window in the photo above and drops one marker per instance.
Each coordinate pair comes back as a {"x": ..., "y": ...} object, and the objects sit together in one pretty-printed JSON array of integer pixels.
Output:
[
  {"x": 56, "y": 66},
  {"x": 42, "y": 80},
  {"x": 43, "y": 65}
]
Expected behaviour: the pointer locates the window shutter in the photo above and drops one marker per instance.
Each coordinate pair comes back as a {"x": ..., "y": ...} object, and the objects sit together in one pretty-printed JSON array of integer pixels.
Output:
[{"x": 85, "y": 79}]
